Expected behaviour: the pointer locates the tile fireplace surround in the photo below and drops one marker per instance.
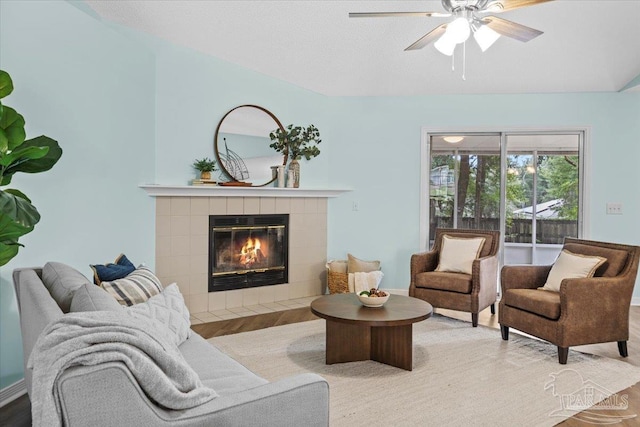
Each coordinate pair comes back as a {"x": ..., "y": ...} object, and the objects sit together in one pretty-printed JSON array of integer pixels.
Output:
[{"x": 182, "y": 240}]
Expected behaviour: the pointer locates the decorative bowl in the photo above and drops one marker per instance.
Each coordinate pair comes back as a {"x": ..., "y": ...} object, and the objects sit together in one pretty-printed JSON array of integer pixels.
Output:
[{"x": 373, "y": 301}]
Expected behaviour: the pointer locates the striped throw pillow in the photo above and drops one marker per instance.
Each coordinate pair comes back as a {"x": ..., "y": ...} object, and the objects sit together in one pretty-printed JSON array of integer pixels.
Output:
[{"x": 135, "y": 288}]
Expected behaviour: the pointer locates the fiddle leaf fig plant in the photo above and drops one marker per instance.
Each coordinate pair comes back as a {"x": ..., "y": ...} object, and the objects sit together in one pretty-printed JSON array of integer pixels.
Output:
[
  {"x": 17, "y": 154},
  {"x": 296, "y": 142}
]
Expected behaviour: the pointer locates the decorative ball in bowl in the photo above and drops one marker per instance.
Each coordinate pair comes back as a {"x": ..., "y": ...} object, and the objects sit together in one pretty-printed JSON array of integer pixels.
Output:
[{"x": 373, "y": 297}]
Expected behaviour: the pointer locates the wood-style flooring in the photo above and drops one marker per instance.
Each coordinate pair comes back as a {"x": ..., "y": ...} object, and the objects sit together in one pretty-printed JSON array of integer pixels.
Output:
[{"x": 18, "y": 412}]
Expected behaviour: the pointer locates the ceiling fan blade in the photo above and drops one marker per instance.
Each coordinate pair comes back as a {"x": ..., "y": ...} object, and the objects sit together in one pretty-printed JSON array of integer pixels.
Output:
[
  {"x": 506, "y": 5},
  {"x": 397, "y": 14},
  {"x": 511, "y": 29},
  {"x": 428, "y": 38}
]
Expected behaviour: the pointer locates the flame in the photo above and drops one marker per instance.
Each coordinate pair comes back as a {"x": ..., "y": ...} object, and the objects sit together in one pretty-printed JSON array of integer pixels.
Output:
[{"x": 250, "y": 252}]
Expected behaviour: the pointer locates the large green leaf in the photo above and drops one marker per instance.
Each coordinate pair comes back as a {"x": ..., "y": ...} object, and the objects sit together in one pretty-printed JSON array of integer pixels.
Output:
[
  {"x": 23, "y": 155},
  {"x": 11, "y": 230},
  {"x": 12, "y": 126},
  {"x": 37, "y": 165},
  {"x": 17, "y": 193},
  {"x": 4, "y": 141},
  {"x": 6, "y": 85},
  {"x": 8, "y": 251},
  {"x": 18, "y": 209}
]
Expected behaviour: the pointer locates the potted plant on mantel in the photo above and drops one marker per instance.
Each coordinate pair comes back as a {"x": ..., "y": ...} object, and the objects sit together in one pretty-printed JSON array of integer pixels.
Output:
[
  {"x": 17, "y": 215},
  {"x": 296, "y": 142},
  {"x": 205, "y": 167}
]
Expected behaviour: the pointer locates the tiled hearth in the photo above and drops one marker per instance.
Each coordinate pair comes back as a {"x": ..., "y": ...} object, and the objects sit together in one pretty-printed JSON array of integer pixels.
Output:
[
  {"x": 182, "y": 253},
  {"x": 252, "y": 310}
]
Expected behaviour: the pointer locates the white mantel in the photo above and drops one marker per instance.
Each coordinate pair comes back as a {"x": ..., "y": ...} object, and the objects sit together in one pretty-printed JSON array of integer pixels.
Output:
[{"x": 156, "y": 190}]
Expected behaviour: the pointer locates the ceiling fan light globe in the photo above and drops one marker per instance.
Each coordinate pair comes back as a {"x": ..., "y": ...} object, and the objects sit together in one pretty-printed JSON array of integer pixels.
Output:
[
  {"x": 485, "y": 37},
  {"x": 459, "y": 30},
  {"x": 445, "y": 45}
]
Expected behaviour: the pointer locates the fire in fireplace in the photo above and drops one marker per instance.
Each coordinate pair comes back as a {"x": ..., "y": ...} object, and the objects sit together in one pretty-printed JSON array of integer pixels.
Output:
[{"x": 247, "y": 251}]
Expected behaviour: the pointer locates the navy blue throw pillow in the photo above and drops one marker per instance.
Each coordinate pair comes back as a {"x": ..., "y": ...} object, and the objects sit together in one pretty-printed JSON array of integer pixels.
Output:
[{"x": 112, "y": 271}]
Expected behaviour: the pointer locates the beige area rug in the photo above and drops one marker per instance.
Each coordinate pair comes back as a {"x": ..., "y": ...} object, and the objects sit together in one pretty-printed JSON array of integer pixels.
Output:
[{"x": 461, "y": 376}]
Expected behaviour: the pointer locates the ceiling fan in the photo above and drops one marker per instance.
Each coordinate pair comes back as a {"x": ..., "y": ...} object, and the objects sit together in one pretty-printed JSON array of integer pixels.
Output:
[{"x": 468, "y": 18}]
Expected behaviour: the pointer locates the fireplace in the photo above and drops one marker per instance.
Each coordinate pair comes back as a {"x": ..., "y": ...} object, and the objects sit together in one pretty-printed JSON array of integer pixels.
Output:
[{"x": 247, "y": 251}]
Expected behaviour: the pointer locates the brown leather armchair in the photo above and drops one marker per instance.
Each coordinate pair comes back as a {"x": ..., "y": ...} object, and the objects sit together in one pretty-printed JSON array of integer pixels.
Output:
[
  {"x": 585, "y": 311},
  {"x": 458, "y": 291}
]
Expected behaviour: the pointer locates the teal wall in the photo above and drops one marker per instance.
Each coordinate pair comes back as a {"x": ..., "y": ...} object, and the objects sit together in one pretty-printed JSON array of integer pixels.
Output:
[
  {"x": 129, "y": 109},
  {"x": 89, "y": 88}
]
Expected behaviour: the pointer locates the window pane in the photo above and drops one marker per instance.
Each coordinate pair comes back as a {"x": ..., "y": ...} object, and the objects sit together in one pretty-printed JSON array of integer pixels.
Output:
[
  {"x": 441, "y": 192},
  {"x": 542, "y": 188},
  {"x": 519, "y": 202},
  {"x": 479, "y": 191},
  {"x": 557, "y": 194},
  {"x": 464, "y": 190}
]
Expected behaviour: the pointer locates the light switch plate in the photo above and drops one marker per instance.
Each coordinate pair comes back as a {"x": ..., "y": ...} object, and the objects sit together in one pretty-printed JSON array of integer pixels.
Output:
[{"x": 614, "y": 208}]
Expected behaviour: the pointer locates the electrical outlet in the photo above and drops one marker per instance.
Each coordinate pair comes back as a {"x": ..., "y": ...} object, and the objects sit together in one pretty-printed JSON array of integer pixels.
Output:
[
  {"x": 614, "y": 208},
  {"x": 356, "y": 206}
]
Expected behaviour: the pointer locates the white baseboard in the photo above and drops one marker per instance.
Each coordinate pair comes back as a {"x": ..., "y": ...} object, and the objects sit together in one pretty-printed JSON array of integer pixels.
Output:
[
  {"x": 635, "y": 301},
  {"x": 12, "y": 392}
]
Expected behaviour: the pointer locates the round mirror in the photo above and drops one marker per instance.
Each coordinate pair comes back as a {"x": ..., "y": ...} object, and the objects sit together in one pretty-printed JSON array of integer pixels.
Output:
[{"x": 241, "y": 146}]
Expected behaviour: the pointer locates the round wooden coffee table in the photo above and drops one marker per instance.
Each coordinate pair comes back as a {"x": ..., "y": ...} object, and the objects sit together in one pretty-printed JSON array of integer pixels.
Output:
[{"x": 384, "y": 334}]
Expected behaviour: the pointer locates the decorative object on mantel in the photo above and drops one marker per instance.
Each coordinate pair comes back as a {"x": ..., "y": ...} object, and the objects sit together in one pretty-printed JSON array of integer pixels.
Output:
[
  {"x": 236, "y": 184},
  {"x": 233, "y": 163},
  {"x": 205, "y": 167},
  {"x": 278, "y": 175},
  {"x": 17, "y": 215},
  {"x": 291, "y": 179},
  {"x": 296, "y": 142},
  {"x": 281, "y": 176},
  {"x": 241, "y": 146},
  {"x": 204, "y": 182}
]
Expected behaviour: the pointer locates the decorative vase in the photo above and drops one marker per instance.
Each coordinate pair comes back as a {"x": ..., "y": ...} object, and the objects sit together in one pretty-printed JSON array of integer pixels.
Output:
[
  {"x": 205, "y": 175},
  {"x": 281, "y": 176},
  {"x": 294, "y": 166}
]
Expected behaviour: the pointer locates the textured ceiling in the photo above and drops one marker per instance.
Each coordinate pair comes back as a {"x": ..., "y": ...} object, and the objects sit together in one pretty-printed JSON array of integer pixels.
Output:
[{"x": 587, "y": 46}]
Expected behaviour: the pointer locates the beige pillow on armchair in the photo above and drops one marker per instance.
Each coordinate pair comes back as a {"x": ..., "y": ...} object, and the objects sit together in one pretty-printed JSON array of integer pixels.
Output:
[
  {"x": 457, "y": 253},
  {"x": 571, "y": 266}
]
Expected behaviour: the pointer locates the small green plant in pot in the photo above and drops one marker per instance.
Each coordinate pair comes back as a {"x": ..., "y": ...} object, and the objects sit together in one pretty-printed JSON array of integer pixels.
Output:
[
  {"x": 205, "y": 167},
  {"x": 296, "y": 142},
  {"x": 17, "y": 154}
]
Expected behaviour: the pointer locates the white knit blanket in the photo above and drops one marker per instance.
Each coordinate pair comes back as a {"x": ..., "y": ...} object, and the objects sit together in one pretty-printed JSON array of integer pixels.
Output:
[
  {"x": 92, "y": 338},
  {"x": 359, "y": 282}
]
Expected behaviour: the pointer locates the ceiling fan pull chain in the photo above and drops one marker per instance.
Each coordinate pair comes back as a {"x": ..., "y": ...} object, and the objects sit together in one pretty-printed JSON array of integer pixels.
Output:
[
  {"x": 464, "y": 60},
  {"x": 453, "y": 60}
]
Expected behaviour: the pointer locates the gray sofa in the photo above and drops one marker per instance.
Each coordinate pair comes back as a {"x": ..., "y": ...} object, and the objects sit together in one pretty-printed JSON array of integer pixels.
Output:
[{"x": 108, "y": 395}]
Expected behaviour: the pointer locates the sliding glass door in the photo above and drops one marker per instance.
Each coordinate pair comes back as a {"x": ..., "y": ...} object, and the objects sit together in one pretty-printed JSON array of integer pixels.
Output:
[{"x": 527, "y": 185}]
